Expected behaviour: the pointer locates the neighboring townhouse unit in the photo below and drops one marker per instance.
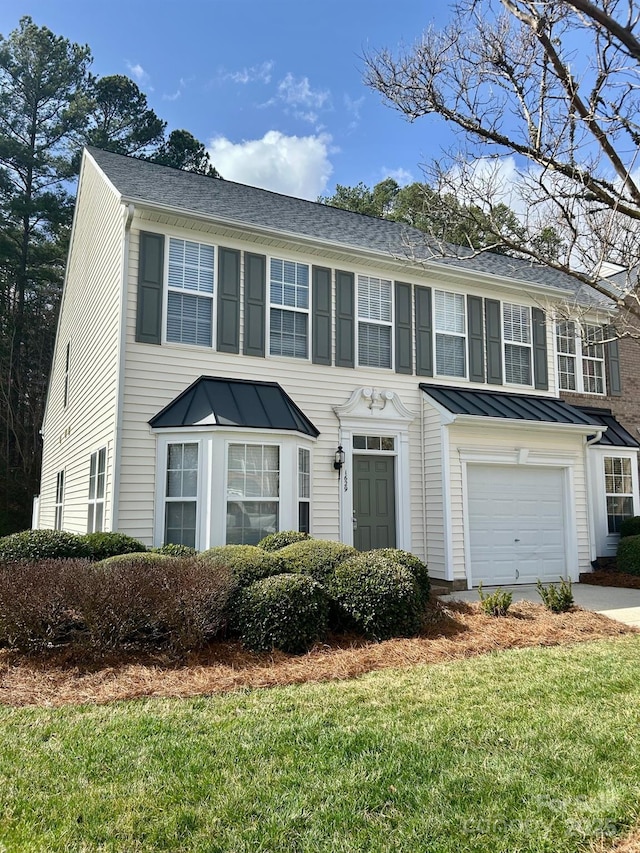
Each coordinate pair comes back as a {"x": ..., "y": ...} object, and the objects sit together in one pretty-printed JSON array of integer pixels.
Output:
[{"x": 231, "y": 362}]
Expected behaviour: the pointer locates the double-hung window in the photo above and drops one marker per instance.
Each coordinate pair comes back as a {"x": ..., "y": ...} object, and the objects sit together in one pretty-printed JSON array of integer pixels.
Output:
[
  {"x": 580, "y": 358},
  {"x": 190, "y": 292},
  {"x": 97, "y": 475},
  {"x": 304, "y": 489},
  {"x": 450, "y": 334},
  {"x": 289, "y": 309},
  {"x": 181, "y": 494},
  {"x": 59, "y": 500},
  {"x": 618, "y": 490},
  {"x": 375, "y": 311},
  {"x": 253, "y": 492},
  {"x": 516, "y": 327}
]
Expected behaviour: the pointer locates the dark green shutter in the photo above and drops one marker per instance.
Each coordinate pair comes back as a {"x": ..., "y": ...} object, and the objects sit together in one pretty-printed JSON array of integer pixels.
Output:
[
  {"x": 321, "y": 315},
  {"x": 255, "y": 291},
  {"x": 493, "y": 325},
  {"x": 475, "y": 338},
  {"x": 614, "y": 381},
  {"x": 150, "y": 283},
  {"x": 424, "y": 332},
  {"x": 540, "y": 364},
  {"x": 228, "y": 338},
  {"x": 403, "y": 328},
  {"x": 345, "y": 319}
]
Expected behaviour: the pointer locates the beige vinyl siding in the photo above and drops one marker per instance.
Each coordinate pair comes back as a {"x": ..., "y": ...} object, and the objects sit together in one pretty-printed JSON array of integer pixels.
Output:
[
  {"x": 434, "y": 495},
  {"x": 89, "y": 319}
]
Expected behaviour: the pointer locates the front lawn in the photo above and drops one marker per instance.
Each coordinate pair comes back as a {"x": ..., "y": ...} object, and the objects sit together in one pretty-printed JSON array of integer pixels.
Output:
[{"x": 525, "y": 750}]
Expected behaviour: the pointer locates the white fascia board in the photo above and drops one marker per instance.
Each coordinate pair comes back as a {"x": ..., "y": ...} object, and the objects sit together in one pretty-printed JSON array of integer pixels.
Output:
[
  {"x": 228, "y": 428},
  {"x": 426, "y": 267},
  {"x": 510, "y": 423}
]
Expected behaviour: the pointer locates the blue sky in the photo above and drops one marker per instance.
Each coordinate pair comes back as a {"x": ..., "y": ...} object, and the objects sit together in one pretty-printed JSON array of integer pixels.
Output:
[{"x": 273, "y": 87}]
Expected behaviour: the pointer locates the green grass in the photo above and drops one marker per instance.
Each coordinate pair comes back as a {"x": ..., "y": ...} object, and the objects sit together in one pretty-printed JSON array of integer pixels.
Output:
[{"x": 533, "y": 750}]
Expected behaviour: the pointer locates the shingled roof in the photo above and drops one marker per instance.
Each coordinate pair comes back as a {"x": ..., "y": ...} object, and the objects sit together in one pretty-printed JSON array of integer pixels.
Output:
[{"x": 141, "y": 182}]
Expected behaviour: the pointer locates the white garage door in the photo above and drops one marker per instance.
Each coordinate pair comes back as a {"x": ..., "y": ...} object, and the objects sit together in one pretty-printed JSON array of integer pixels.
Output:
[{"x": 516, "y": 524}]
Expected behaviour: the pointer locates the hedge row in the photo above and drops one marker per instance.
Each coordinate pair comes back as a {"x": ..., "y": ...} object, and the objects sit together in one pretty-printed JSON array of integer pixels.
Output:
[{"x": 286, "y": 598}]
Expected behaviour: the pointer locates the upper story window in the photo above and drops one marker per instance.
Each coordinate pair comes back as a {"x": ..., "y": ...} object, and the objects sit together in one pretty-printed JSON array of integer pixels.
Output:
[
  {"x": 580, "y": 358},
  {"x": 289, "y": 311},
  {"x": 516, "y": 328},
  {"x": 190, "y": 292},
  {"x": 450, "y": 334},
  {"x": 375, "y": 313}
]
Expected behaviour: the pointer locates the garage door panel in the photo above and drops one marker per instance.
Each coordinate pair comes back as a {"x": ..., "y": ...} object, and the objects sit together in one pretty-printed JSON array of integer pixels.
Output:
[{"x": 516, "y": 527}]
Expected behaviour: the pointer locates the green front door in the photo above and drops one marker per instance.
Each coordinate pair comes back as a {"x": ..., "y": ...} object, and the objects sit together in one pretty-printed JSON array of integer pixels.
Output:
[{"x": 374, "y": 504}]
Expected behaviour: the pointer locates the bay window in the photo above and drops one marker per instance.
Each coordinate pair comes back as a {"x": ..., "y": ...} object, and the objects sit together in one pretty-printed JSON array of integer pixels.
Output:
[
  {"x": 181, "y": 494},
  {"x": 253, "y": 492}
]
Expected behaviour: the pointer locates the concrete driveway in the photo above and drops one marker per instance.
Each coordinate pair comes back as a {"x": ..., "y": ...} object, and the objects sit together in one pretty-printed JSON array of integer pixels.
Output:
[{"x": 611, "y": 601}]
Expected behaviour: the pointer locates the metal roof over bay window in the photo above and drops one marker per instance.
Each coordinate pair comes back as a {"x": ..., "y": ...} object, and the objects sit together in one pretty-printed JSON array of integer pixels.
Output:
[{"x": 250, "y": 404}]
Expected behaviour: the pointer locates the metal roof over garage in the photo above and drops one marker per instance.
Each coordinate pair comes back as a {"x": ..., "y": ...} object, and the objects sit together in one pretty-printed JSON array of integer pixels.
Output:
[
  {"x": 615, "y": 435},
  {"x": 250, "y": 404},
  {"x": 500, "y": 404}
]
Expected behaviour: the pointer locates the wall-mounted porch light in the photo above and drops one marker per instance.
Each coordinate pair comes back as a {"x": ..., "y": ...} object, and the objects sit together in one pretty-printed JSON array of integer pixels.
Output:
[{"x": 338, "y": 459}]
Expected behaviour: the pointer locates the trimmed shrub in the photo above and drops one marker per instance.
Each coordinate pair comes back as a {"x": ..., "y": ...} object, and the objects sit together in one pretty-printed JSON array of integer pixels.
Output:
[
  {"x": 558, "y": 599},
  {"x": 287, "y": 612},
  {"x": 105, "y": 545},
  {"x": 415, "y": 565},
  {"x": 496, "y": 603},
  {"x": 247, "y": 563},
  {"x": 174, "y": 550},
  {"x": 315, "y": 557},
  {"x": 379, "y": 597},
  {"x": 155, "y": 601},
  {"x": 275, "y": 541},
  {"x": 40, "y": 602},
  {"x": 628, "y": 555},
  {"x": 43, "y": 545},
  {"x": 630, "y": 527}
]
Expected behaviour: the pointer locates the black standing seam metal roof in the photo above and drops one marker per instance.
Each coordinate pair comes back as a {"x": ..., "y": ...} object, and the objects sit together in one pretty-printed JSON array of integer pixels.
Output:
[
  {"x": 615, "y": 435},
  {"x": 175, "y": 189},
  {"x": 250, "y": 404},
  {"x": 500, "y": 404}
]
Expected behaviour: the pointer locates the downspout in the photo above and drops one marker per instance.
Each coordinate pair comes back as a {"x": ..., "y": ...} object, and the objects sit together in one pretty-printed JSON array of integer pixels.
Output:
[
  {"x": 117, "y": 452},
  {"x": 590, "y": 496}
]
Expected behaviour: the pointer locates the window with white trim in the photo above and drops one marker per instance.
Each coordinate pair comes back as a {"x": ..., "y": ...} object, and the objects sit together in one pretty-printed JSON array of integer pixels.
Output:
[
  {"x": 450, "y": 334},
  {"x": 190, "y": 292},
  {"x": 181, "y": 494},
  {"x": 375, "y": 313},
  {"x": 304, "y": 489},
  {"x": 58, "y": 506},
  {"x": 67, "y": 362},
  {"x": 289, "y": 309},
  {"x": 97, "y": 477},
  {"x": 580, "y": 357},
  {"x": 516, "y": 331},
  {"x": 253, "y": 492},
  {"x": 619, "y": 491}
]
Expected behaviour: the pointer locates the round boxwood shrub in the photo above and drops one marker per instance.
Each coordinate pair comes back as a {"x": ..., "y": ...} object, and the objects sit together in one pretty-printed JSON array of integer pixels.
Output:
[
  {"x": 275, "y": 541},
  {"x": 287, "y": 612},
  {"x": 315, "y": 557},
  {"x": 43, "y": 545},
  {"x": 415, "y": 565},
  {"x": 175, "y": 550},
  {"x": 105, "y": 545},
  {"x": 379, "y": 597},
  {"x": 630, "y": 527},
  {"x": 628, "y": 558},
  {"x": 247, "y": 563},
  {"x": 134, "y": 558}
]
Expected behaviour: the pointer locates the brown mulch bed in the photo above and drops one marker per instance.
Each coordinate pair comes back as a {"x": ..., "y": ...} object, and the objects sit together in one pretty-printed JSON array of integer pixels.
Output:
[
  {"x": 629, "y": 844},
  {"x": 606, "y": 578},
  {"x": 452, "y": 630}
]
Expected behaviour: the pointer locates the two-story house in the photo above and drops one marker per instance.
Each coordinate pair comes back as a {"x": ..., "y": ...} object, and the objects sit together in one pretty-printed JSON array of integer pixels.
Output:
[{"x": 231, "y": 362}]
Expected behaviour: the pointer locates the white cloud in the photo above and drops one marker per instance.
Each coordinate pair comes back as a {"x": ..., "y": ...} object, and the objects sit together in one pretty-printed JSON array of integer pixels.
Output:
[
  {"x": 138, "y": 73},
  {"x": 299, "y": 93},
  {"x": 400, "y": 175},
  {"x": 292, "y": 165},
  {"x": 182, "y": 85},
  {"x": 253, "y": 74},
  {"x": 353, "y": 107}
]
